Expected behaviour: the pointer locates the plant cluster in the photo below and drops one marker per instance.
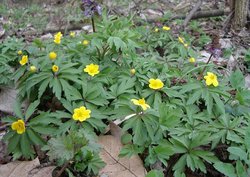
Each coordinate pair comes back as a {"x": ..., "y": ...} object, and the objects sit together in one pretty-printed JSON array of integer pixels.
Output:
[{"x": 180, "y": 111}]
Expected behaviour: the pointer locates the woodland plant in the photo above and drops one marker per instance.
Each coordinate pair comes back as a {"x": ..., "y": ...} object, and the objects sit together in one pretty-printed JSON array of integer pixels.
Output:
[{"x": 77, "y": 84}]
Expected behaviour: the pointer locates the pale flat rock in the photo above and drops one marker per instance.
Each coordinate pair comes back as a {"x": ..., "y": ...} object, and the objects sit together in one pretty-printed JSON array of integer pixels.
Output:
[
  {"x": 7, "y": 99},
  {"x": 225, "y": 43},
  {"x": 247, "y": 81},
  {"x": 46, "y": 36}
]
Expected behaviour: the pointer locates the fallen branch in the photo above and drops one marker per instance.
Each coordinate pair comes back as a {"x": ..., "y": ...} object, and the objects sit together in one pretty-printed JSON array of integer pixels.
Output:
[
  {"x": 204, "y": 14},
  {"x": 191, "y": 13}
]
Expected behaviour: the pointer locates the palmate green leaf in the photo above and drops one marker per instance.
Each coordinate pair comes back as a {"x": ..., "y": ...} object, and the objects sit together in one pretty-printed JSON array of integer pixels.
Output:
[
  {"x": 169, "y": 117},
  {"x": 208, "y": 100},
  {"x": 46, "y": 130},
  {"x": 237, "y": 79},
  {"x": 35, "y": 138},
  {"x": 130, "y": 149},
  {"x": 17, "y": 75},
  {"x": 140, "y": 136},
  {"x": 8, "y": 119},
  {"x": 151, "y": 124},
  {"x": 67, "y": 105},
  {"x": 163, "y": 151},
  {"x": 157, "y": 100},
  {"x": 190, "y": 162},
  {"x": 181, "y": 163},
  {"x": 189, "y": 87},
  {"x": 67, "y": 66},
  {"x": 125, "y": 86},
  {"x": 238, "y": 152},
  {"x": 178, "y": 173},
  {"x": 194, "y": 97},
  {"x": 219, "y": 103},
  {"x": 25, "y": 146},
  {"x": 247, "y": 138},
  {"x": 95, "y": 164},
  {"x": 117, "y": 42},
  {"x": 121, "y": 112},
  {"x": 13, "y": 142},
  {"x": 225, "y": 168},
  {"x": 155, "y": 173},
  {"x": 31, "y": 109},
  {"x": 232, "y": 136},
  {"x": 240, "y": 169},
  {"x": 70, "y": 78},
  {"x": 56, "y": 87},
  {"x": 17, "y": 109},
  {"x": 58, "y": 148},
  {"x": 98, "y": 101},
  {"x": 198, "y": 163},
  {"x": 44, "y": 84},
  {"x": 67, "y": 89},
  {"x": 38, "y": 78},
  {"x": 44, "y": 118},
  {"x": 205, "y": 155},
  {"x": 97, "y": 124}
]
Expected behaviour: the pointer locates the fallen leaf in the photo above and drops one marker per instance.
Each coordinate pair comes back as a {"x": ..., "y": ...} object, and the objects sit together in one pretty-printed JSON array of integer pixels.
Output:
[
  {"x": 116, "y": 166},
  {"x": 25, "y": 169}
]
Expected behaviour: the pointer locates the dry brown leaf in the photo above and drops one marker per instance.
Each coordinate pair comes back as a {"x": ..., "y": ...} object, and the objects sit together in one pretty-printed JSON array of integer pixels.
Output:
[
  {"x": 25, "y": 169},
  {"x": 115, "y": 166}
]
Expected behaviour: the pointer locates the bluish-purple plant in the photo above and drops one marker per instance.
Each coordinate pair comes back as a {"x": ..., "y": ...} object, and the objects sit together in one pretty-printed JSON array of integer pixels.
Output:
[{"x": 91, "y": 7}]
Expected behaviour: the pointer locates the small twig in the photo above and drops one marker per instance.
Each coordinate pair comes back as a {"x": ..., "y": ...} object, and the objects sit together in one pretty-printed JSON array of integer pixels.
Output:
[
  {"x": 59, "y": 173},
  {"x": 191, "y": 13},
  {"x": 227, "y": 20},
  {"x": 93, "y": 24},
  {"x": 201, "y": 74},
  {"x": 204, "y": 14}
]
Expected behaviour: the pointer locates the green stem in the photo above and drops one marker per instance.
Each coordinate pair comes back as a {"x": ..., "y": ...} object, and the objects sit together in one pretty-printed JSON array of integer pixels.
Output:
[
  {"x": 201, "y": 74},
  {"x": 93, "y": 24}
]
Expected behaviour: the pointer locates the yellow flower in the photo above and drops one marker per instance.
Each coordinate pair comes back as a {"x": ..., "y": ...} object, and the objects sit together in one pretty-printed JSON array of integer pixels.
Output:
[
  {"x": 57, "y": 37},
  {"x": 20, "y": 52},
  {"x": 185, "y": 45},
  {"x": 155, "y": 84},
  {"x": 132, "y": 71},
  {"x": 57, "y": 40},
  {"x": 24, "y": 60},
  {"x": 156, "y": 30},
  {"x": 19, "y": 126},
  {"x": 72, "y": 34},
  {"x": 55, "y": 68},
  {"x": 52, "y": 55},
  {"x": 192, "y": 60},
  {"x": 32, "y": 68},
  {"x": 85, "y": 42},
  {"x": 81, "y": 114},
  {"x": 181, "y": 40},
  {"x": 166, "y": 28},
  {"x": 211, "y": 78},
  {"x": 141, "y": 102},
  {"x": 92, "y": 69}
]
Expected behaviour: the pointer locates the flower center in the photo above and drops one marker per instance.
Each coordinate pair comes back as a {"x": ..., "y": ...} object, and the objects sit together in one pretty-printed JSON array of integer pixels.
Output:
[
  {"x": 212, "y": 77},
  {"x": 141, "y": 101}
]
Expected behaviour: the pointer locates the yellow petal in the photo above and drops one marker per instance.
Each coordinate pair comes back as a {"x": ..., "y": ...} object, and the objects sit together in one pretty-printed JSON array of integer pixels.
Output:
[
  {"x": 209, "y": 81},
  {"x": 215, "y": 83}
]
